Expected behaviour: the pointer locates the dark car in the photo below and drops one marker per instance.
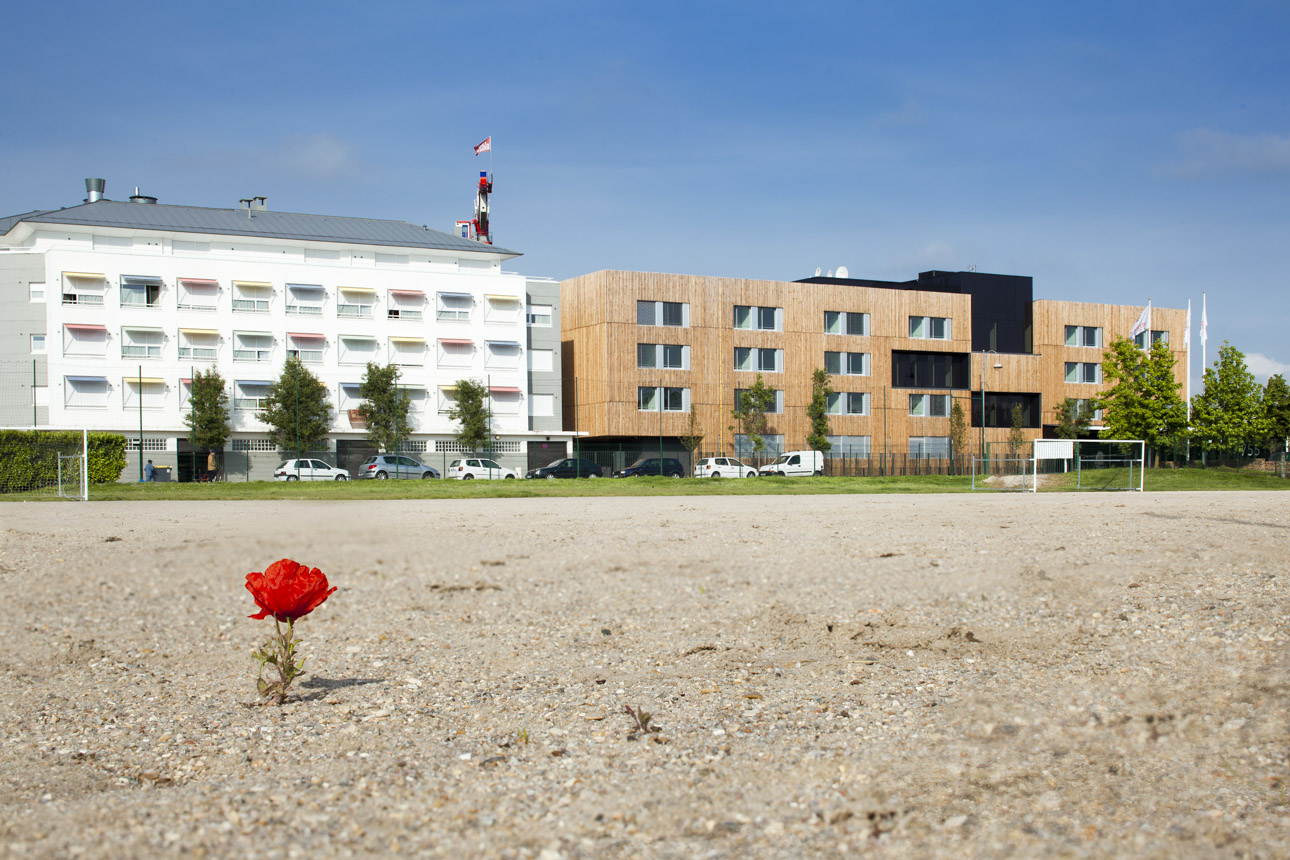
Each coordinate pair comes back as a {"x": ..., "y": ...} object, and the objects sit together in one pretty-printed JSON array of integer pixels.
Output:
[
  {"x": 650, "y": 466},
  {"x": 570, "y": 467}
]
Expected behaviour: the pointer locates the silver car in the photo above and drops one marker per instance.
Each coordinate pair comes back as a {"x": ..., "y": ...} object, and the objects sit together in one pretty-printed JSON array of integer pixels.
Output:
[
  {"x": 384, "y": 466},
  {"x": 308, "y": 470}
]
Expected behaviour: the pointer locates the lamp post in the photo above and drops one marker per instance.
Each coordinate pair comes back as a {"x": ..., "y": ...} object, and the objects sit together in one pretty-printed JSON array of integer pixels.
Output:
[{"x": 997, "y": 365}]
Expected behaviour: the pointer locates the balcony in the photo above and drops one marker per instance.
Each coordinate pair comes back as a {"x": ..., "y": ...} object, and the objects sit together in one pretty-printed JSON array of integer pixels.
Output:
[
  {"x": 305, "y": 310},
  {"x": 354, "y": 311},
  {"x": 307, "y": 356},
  {"x": 196, "y": 306},
  {"x": 132, "y": 351},
  {"x": 251, "y": 306},
  {"x": 250, "y": 404},
  {"x": 198, "y": 353},
  {"x": 449, "y": 315},
  {"x": 404, "y": 314},
  {"x": 82, "y": 298},
  {"x": 260, "y": 355}
]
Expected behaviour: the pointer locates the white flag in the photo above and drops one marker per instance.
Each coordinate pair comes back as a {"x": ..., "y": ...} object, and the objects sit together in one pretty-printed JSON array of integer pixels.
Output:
[
  {"x": 1187, "y": 331},
  {"x": 1204, "y": 322},
  {"x": 1143, "y": 323}
]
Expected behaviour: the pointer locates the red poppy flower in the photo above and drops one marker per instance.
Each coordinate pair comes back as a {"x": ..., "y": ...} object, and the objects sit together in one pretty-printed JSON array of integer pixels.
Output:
[{"x": 287, "y": 590}]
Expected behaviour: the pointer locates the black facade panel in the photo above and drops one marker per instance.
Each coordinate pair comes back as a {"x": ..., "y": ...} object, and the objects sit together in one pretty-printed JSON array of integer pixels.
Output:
[
  {"x": 999, "y": 406},
  {"x": 929, "y": 369}
]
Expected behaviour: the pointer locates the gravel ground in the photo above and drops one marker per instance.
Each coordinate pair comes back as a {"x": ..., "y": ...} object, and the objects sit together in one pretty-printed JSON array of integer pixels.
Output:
[{"x": 895, "y": 676}]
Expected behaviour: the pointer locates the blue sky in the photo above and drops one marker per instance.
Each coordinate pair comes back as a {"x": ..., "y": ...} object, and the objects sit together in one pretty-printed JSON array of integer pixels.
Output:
[{"x": 1114, "y": 151}]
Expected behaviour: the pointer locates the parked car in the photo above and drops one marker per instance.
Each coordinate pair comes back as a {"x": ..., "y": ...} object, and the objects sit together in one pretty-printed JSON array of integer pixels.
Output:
[
  {"x": 723, "y": 467},
  {"x": 384, "y": 466},
  {"x": 569, "y": 467},
  {"x": 470, "y": 468},
  {"x": 308, "y": 470},
  {"x": 650, "y": 466},
  {"x": 792, "y": 464}
]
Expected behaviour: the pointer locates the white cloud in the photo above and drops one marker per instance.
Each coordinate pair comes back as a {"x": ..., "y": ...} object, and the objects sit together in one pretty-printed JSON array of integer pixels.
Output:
[
  {"x": 1263, "y": 366},
  {"x": 1203, "y": 150}
]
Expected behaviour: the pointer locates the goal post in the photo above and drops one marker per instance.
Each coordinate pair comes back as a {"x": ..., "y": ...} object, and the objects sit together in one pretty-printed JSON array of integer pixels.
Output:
[
  {"x": 1091, "y": 464},
  {"x": 44, "y": 463},
  {"x": 1004, "y": 474}
]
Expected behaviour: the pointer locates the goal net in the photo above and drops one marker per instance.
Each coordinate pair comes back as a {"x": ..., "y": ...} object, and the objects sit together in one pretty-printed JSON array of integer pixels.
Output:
[
  {"x": 44, "y": 464},
  {"x": 1014, "y": 473},
  {"x": 1090, "y": 464}
]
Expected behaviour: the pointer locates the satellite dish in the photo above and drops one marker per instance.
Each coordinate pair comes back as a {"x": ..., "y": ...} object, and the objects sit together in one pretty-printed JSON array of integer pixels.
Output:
[
  {"x": 817, "y": 271},
  {"x": 843, "y": 273},
  {"x": 830, "y": 273}
]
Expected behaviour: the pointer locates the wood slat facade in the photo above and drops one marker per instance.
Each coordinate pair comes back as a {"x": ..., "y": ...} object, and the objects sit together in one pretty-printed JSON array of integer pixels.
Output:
[{"x": 600, "y": 334}]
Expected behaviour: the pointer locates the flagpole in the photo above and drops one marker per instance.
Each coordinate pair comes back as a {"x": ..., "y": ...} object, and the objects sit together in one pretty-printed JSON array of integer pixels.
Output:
[{"x": 1187, "y": 351}]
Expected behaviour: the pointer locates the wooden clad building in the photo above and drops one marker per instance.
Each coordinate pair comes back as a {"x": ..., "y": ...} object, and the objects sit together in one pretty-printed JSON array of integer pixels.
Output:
[{"x": 639, "y": 349}]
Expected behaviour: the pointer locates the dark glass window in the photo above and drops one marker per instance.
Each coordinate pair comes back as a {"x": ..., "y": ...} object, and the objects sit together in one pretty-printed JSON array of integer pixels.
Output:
[
  {"x": 645, "y": 313},
  {"x": 645, "y": 355},
  {"x": 998, "y": 409},
  {"x": 929, "y": 369},
  {"x": 673, "y": 313},
  {"x": 672, "y": 356}
]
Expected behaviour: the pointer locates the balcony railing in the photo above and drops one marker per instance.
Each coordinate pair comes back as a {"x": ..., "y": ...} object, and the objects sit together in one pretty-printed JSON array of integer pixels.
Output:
[
  {"x": 250, "y": 404},
  {"x": 196, "y": 306},
  {"x": 454, "y": 316},
  {"x": 128, "y": 301},
  {"x": 305, "y": 310},
  {"x": 130, "y": 351},
  {"x": 251, "y": 354},
  {"x": 354, "y": 311},
  {"x": 82, "y": 298},
  {"x": 307, "y": 356},
  {"x": 251, "y": 306},
  {"x": 404, "y": 314},
  {"x": 198, "y": 353}
]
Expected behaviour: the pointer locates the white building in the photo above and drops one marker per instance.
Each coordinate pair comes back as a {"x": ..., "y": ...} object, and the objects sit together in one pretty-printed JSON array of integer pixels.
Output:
[{"x": 130, "y": 298}]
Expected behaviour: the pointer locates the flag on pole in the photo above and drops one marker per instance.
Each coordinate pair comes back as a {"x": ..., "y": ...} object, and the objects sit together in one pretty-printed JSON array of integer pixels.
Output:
[
  {"x": 1204, "y": 322},
  {"x": 1143, "y": 323},
  {"x": 1187, "y": 331},
  {"x": 486, "y": 146}
]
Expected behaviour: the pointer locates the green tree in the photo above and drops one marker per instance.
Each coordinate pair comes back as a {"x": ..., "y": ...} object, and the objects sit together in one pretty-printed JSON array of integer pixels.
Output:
[
  {"x": 818, "y": 412},
  {"x": 692, "y": 439},
  {"x": 1073, "y": 418},
  {"x": 1142, "y": 402},
  {"x": 297, "y": 409},
  {"x": 384, "y": 407},
  {"x": 1016, "y": 435},
  {"x": 958, "y": 433},
  {"x": 1229, "y": 412},
  {"x": 470, "y": 411},
  {"x": 1276, "y": 408},
  {"x": 751, "y": 410},
  {"x": 208, "y": 413}
]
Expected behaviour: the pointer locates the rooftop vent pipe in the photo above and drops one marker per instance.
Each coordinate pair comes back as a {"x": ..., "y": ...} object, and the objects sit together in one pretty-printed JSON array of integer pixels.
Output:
[
  {"x": 136, "y": 197},
  {"x": 95, "y": 189}
]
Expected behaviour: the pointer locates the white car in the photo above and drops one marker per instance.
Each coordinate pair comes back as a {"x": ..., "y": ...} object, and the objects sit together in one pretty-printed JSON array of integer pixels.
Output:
[
  {"x": 469, "y": 469},
  {"x": 308, "y": 470},
  {"x": 723, "y": 467},
  {"x": 792, "y": 464}
]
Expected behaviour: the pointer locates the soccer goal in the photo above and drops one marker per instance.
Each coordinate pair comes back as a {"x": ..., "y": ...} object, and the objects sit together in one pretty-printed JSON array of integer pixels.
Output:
[
  {"x": 1090, "y": 464},
  {"x": 44, "y": 464},
  {"x": 1011, "y": 474}
]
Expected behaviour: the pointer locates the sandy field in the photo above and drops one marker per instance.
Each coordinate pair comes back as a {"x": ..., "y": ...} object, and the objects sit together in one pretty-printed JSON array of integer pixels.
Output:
[{"x": 886, "y": 676}]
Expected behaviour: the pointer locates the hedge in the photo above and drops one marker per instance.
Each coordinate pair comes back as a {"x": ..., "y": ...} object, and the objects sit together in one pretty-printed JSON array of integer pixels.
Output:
[{"x": 29, "y": 458}]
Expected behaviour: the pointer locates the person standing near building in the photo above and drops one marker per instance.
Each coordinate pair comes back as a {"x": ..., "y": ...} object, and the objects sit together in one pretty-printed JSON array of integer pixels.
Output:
[
  {"x": 212, "y": 465},
  {"x": 149, "y": 472}
]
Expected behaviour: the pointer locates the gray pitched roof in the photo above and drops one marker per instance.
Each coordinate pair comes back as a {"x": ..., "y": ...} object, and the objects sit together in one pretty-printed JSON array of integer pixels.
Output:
[{"x": 263, "y": 223}]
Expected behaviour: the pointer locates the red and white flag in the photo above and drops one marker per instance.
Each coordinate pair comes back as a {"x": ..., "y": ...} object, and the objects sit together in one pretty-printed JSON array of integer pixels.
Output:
[
  {"x": 486, "y": 146},
  {"x": 1204, "y": 321},
  {"x": 1143, "y": 323}
]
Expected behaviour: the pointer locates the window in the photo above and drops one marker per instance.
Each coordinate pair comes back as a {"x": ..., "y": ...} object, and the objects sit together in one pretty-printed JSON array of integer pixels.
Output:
[
  {"x": 408, "y": 351},
  {"x": 541, "y": 405},
  {"x": 1085, "y": 403},
  {"x": 37, "y": 344},
  {"x": 456, "y": 352},
  {"x": 150, "y": 443},
  {"x": 1157, "y": 336},
  {"x": 501, "y": 310},
  {"x": 773, "y": 442},
  {"x": 355, "y": 303},
  {"x": 260, "y": 444},
  {"x": 81, "y": 339},
  {"x": 197, "y": 294},
  {"x": 776, "y": 407},
  {"x": 662, "y": 313},
  {"x": 759, "y": 318},
  {"x": 846, "y": 322},
  {"x": 999, "y": 407},
  {"x": 929, "y": 405},
  {"x": 35, "y": 292},
  {"x": 1089, "y": 372},
  {"x": 504, "y": 401},
  {"x": 502, "y": 354},
  {"x": 250, "y": 396},
  {"x": 357, "y": 349},
  {"x": 929, "y": 369},
  {"x": 85, "y": 392},
  {"x": 542, "y": 359},
  {"x": 929, "y": 447},
  {"x": 251, "y": 297},
  {"x": 539, "y": 316},
  {"x": 305, "y": 300},
  {"x": 252, "y": 346},
  {"x": 306, "y": 347},
  {"x": 646, "y": 355},
  {"x": 80, "y": 288},
  {"x": 649, "y": 398},
  {"x": 849, "y": 446},
  {"x": 143, "y": 394},
  {"x": 765, "y": 360},
  {"x": 140, "y": 292},
  {"x": 406, "y": 305},
  {"x": 349, "y": 396},
  {"x": 933, "y": 328},
  {"x": 455, "y": 307},
  {"x": 848, "y": 403},
  {"x": 668, "y": 356},
  {"x": 847, "y": 363},
  {"x": 141, "y": 342},
  {"x": 1083, "y": 335}
]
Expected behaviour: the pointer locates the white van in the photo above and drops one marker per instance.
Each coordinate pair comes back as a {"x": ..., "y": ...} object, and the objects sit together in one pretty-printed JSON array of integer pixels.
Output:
[{"x": 792, "y": 464}]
